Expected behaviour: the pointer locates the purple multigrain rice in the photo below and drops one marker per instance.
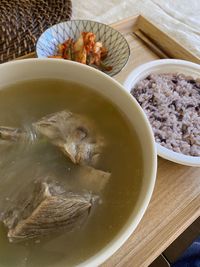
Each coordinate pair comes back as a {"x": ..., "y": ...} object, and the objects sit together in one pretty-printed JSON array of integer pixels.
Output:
[{"x": 172, "y": 104}]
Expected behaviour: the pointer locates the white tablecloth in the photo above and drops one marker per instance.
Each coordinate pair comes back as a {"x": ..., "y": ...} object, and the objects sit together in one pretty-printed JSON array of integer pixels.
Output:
[{"x": 179, "y": 18}]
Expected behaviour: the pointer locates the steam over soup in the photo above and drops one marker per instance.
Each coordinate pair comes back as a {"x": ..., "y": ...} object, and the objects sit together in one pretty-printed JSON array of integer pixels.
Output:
[{"x": 70, "y": 173}]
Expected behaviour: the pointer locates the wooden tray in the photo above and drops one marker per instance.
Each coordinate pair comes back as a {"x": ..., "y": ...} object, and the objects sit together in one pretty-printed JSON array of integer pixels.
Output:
[{"x": 176, "y": 199}]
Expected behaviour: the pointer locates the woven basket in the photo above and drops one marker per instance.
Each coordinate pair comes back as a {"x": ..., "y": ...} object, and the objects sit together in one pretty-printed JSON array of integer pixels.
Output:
[{"x": 23, "y": 21}]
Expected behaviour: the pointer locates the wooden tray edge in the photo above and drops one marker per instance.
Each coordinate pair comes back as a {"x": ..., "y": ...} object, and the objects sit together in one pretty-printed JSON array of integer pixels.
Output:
[{"x": 170, "y": 47}]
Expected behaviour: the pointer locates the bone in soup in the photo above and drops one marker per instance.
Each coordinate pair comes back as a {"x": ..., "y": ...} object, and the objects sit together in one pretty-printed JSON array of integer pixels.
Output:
[{"x": 70, "y": 173}]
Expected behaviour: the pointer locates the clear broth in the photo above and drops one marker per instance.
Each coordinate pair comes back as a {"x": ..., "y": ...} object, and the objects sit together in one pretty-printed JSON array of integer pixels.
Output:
[{"x": 25, "y": 102}]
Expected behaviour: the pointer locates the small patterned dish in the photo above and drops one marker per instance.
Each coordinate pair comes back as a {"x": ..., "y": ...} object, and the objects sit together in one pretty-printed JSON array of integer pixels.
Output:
[{"x": 114, "y": 41}]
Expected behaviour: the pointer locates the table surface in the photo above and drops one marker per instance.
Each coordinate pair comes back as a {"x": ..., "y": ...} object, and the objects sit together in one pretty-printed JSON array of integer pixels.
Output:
[
  {"x": 180, "y": 18},
  {"x": 175, "y": 203}
]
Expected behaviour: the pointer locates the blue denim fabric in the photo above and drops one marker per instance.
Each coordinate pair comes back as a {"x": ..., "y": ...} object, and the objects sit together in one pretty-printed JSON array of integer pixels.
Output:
[{"x": 191, "y": 257}]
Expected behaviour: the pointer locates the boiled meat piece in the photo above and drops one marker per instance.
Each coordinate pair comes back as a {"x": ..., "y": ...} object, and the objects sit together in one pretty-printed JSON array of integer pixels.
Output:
[
  {"x": 92, "y": 179},
  {"x": 10, "y": 135},
  {"x": 49, "y": 209},
  {"x": 74, "y": 134}
]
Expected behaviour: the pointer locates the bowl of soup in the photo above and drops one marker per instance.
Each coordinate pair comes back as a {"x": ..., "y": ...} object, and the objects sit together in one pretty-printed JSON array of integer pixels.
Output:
[{"x": 78, "y": 164}]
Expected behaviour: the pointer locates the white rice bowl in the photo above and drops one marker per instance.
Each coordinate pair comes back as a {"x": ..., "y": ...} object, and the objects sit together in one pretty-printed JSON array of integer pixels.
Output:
[{"x": 161, "y": 104}]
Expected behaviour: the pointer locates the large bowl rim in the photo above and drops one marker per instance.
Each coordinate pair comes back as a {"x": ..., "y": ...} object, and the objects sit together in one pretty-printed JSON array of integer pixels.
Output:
[
  {"x": 96, "y": 22},
  {"x": 133, "y": 78},
  {"x": 133, "y": 220}
]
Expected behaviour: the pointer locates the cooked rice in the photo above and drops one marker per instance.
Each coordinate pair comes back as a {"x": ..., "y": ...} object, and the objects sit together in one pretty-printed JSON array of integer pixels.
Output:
[{"x": 172, "y": 104}]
